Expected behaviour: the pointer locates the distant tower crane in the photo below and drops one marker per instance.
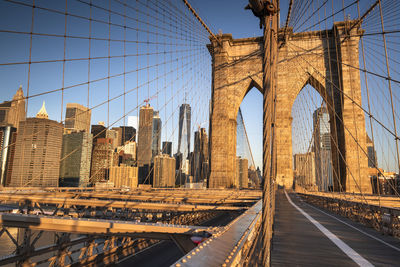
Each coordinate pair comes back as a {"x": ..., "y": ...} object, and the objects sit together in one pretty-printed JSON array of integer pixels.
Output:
[{"x": 148, "y": 100}]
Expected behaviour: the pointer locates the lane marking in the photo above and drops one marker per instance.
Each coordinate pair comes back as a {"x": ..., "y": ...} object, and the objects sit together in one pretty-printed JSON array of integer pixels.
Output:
[
  {"x": 357, "y": 258},
  {"x": 140, "y": 251},
  {"x": 361, "y": 231}
]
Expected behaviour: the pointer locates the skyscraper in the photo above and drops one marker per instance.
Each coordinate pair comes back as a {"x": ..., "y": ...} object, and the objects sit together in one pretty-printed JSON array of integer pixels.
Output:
[
  {"x": 76, "y": 156},
  {"x": 7, "y": 139},
  {"x": 242, "y": 175},
  {"x": 125, "y": 134},
  {"x": 119, "y": 136},
  {"x": 184, "y": 130},
  {"x": 124, "y": 176},
  {"x": 322, "y": 149},
  {"x": 304, "y": 166},
  {"x": 144, "y": 152},
  {"x": 156, "y": 142},
  {"x": 12, "y": 112},
  {"x": 130, "y": 148},
  {"x": 167, "y": 148},
  {"x": 114, "y": 136},
  {"x": 98, "y": 131},
  {"x": 128, "y": 134},
  {"x": 77, "y": 118},
  {"x": 37, "y": 152},
  {"x": 200, "y": 155},
  {"x": 372, "y": 160},
  {"x": 102, "y": 159},
  {"x": 164, "y": 171}
]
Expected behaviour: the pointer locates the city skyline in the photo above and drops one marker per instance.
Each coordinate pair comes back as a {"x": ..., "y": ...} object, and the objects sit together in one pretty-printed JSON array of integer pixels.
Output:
[{"x": 199, "y": 133}]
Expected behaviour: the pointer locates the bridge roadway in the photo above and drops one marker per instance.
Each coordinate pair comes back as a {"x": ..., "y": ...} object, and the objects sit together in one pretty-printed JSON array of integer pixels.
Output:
[{"x": 307, "y": 236}]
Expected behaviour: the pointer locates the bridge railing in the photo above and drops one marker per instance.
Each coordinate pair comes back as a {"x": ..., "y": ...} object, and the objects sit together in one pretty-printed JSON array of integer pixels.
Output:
[
  {"x": 384, "y": 219},
  {"x": 236, "y": 245}
]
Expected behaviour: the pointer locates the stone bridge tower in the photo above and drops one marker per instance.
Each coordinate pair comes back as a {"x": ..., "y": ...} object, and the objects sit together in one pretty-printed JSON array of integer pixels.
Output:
[{"x": 304, "y": 58}]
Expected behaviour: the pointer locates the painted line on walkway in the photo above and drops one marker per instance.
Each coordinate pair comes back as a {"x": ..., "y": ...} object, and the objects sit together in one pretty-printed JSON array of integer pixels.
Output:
[
  {"x": 355, "y": 228},
  {"x": 139, "y": 252},
  {"x": 357, "y": 258}
]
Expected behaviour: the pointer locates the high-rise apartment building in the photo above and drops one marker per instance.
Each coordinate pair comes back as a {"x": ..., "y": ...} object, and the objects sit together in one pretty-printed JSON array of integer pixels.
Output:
[
  {"x": 130, "y": 148},
  {"x": 167, "y": 148},
  {"x": 124, "y": 176},
  {"x": 98, "y": 131},
  {"x": 77, "y": 118},
  {"x": 12, "y": 112},
  {"x": 304, "y": 167},
  {"x": 322, "y": 149},
  {"x": 7, "y": 150},
  {"x": 76, "y": 157},
  {"x": 156, "y": 142},
  {"x": 144, "y": 152},
  {"x": 102, "y": 160},
  {"x": 128, "y": 134},
  {"x": 199, "y": 163},
  {"x": 372, "y": 160},
  {"x": 321, "y": 128},
  {"x": 119, "y": 136},
  {"x": 164, "y": 171},
  {"x": 184, "y": 130},
  {"x": 114, "y": 136},
  {"x": 37, "y": 152},
  {"x": 242, "y": 175},
  {"x": 125, "y": 134}
]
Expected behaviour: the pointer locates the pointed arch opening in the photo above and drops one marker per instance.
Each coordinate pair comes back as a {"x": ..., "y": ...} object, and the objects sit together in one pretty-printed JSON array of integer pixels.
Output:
[
  {"x": 249, "y": 136},
  {"x": 312, "y": 140}
]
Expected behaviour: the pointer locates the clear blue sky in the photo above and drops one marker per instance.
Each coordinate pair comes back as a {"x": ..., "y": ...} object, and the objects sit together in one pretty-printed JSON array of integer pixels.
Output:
[{"x": 192, "y": 69}]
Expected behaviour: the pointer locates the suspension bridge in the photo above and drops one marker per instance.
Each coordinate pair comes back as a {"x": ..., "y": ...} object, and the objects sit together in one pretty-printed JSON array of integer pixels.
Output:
[{"x": 77, "y": 193}]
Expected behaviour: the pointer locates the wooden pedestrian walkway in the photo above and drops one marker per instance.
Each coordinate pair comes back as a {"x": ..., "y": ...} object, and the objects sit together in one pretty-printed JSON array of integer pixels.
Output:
[{"x": 307, "y": 236}]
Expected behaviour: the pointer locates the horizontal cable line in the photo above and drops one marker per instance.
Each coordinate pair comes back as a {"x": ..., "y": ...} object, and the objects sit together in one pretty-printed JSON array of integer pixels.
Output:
[
  {"x": 103, "y": 78},
  {"x": 99, "y": 39},
  {"x": 95, "y": 58},
  {"x": 95, "y": 20}
]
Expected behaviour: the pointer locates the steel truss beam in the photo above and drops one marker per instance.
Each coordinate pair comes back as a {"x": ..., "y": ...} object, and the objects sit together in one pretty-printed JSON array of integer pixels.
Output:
[
  {"x": 114, "y": 204},
  {"x": 97, "y": 248},
  {"x": 99, "y": 227},
  {"x": 167, "y": 198}
]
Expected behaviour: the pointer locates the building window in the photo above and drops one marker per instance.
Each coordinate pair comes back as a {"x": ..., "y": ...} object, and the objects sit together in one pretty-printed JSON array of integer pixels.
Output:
[{"x": 3, "y": 115}]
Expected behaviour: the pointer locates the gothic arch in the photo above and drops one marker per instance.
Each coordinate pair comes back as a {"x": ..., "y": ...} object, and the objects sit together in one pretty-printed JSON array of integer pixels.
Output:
[{"x": 304, "y": 59}]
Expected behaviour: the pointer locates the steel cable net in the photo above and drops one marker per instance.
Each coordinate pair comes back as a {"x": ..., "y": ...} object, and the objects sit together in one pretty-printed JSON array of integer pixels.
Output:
[
  {"x": 111, "y": 57},
  {"x": 377, "y": 65}
]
